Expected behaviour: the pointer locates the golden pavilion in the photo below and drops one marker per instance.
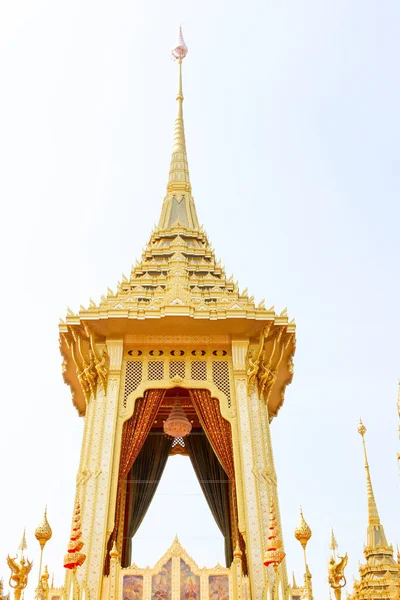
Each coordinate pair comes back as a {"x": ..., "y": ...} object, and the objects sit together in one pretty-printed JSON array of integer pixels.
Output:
[{"x": 179, "y": 360}]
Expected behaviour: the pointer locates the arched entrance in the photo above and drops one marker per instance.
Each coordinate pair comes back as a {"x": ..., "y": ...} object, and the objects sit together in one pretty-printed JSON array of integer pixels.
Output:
[{"x": 145, "y": 450}]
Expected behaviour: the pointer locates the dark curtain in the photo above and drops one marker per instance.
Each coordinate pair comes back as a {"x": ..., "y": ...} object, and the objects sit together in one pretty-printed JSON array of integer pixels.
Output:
[
  {"x": 134, "y": 434},
  {"x": 142, "y": 482},
  {"x": 219, "y": 433},
  {"x": 215, "y": 485}
]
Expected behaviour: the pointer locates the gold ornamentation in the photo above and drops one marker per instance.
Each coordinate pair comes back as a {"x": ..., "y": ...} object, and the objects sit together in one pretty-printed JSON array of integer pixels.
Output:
[
  {"x": 43, "y": 531},
  {"x": 3, "y": 596},
  {"x": 114, "y": 554},
  {"x": 336, "y": 577},
  {"x": 43, "y": 534},
  {"x": 303, "y": 533},
  {"x": 19, "y": 574},
  {"x": 42, "y": 591}
]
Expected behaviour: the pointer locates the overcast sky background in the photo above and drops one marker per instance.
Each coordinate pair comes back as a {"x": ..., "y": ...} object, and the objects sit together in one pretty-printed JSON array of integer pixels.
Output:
[{"x": 292, "y": 125}]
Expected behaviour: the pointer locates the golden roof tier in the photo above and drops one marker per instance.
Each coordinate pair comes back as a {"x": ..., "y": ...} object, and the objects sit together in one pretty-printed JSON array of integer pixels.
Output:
[{"x": 178, "y": 285}]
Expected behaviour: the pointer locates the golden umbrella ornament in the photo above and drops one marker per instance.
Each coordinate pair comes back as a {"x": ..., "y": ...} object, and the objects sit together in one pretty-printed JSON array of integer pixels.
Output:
[
  {"x": 43, "y": 534},
  {"x": 303, "y": 533}
]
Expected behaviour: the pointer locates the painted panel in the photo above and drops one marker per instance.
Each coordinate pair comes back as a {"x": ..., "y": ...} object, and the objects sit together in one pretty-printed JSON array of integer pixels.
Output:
[
  {"x": 218, "y": 587},
  {"x": 132, "y": 587},
  {"x": 161, "y": 583},
  {"x": 190, "y": 583}
]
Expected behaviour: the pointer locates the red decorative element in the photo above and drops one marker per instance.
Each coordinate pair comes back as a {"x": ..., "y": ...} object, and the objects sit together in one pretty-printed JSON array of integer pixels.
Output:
[
  {"x": 274, "y": 555},
  {"x": 74, "y": 558},
  {"x": 177, "y": 425}
]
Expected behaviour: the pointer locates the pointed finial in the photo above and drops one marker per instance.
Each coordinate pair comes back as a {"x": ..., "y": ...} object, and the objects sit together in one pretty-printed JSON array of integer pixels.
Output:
[
  {"x": 373, "y": 515},
  {"x": 237, "y": 552},
  {"x": 302, "y": 533},
  {"x": 294, "y": 582},
  {"x": 43, "y": 531},
  {"x": 362, "y": 430},
  {"x": 398, "y": 397},
  {"x": 23, "y": 546},
  {"x": 114, "y": 551},
  {"x": 180, "y": 51},
  {"x": 333, "y": 546}
]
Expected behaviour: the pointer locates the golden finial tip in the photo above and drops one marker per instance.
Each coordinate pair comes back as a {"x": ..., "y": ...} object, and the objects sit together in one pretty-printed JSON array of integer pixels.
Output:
[
  {"x": 237, "y": 552},
  {"x": 302, "y": 533},
  {"x": 114, "y": 552},
  {"x": 180, "y": 50},
  {"x": 361, "y": 428},
  {"x": 43, "y": 531}
]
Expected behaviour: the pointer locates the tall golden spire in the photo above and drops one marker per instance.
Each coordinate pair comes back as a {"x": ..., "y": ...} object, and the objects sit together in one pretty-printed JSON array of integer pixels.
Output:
[
  {"x": 380, "y": 573},
  {"x": 373, "y": 516},
  {"x": 179, "y": 179},
  {"x": 178, "y": 208}
]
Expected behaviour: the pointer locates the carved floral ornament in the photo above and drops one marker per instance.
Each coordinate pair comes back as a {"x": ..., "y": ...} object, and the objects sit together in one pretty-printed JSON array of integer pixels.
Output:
[{"x": 91, "y": 365}]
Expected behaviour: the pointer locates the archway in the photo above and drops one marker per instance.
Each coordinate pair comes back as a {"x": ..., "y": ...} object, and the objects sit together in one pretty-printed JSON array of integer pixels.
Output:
[{"x": 144, "y": 453}]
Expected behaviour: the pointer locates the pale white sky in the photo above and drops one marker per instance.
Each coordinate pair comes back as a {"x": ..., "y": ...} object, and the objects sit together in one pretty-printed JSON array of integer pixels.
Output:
[{"x": 292, "y": 129}]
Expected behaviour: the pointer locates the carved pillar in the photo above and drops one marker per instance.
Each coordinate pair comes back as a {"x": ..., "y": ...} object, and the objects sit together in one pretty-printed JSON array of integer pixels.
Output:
[
  {"x": 250, "y": 494},
  {"x": 95, "y": 474}
]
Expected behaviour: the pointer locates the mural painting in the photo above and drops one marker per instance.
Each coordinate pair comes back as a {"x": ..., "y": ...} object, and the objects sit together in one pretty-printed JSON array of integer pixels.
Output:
[
  {"x": 132, "y": 587},
  {"x": 190, "y": 583},
  {"x": 161, "y": 583},
  {"x": 218, "y": 587}
]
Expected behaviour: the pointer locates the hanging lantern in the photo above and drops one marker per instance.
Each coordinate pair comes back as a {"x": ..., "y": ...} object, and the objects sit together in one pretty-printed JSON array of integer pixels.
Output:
[{"x": 177, "y": 424}]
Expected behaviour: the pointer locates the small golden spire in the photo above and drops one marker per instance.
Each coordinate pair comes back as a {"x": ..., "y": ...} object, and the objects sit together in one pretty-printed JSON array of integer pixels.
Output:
[
  {"x": 333, "y": 545},
  {"x": 294, "y": 582},
  {"x": 398, "y": 396},
  {"x": 43, "y": 534},
  {"x": 23, "y": 546},
  {"x": 373, "y": 516},
  {"x": 237, "y": 552},
  {"x": 303, "y": 533},
  {"x": 114, "y": 551}
]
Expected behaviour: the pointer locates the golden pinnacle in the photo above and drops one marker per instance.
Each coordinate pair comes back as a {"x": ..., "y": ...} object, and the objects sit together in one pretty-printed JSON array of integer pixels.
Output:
[
  {"x": 302, "y": 533},
  {"x": 43, "y": 531},
  {"x": 361, "y": 428}
]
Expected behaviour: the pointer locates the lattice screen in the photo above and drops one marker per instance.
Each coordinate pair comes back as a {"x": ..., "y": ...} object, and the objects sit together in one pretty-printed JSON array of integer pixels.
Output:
[
  {"x": 198, "y": 370},
  {"x": 133, "y": 377},
  {"x": 220, "y": 376},
  {"x": 155, "y": 370},
  {"x": 177, "y": 367}
]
